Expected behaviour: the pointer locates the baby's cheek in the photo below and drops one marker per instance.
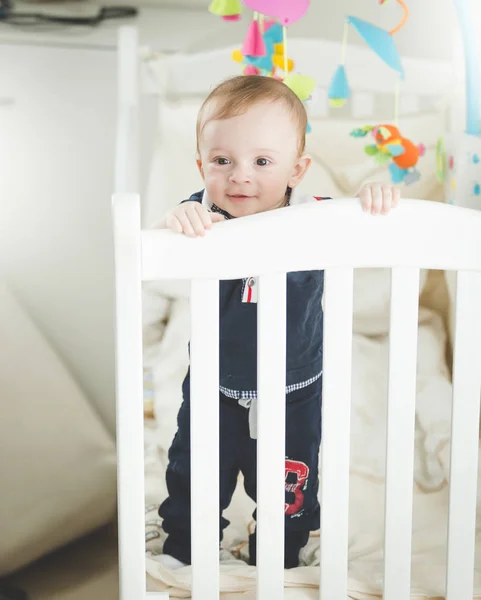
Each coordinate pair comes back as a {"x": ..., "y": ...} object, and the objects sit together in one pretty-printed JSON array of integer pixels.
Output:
[
  {"x": 214, "y": 180},
  {"x": 215, "y": 187},
  {"x": 278, "y": 188}
]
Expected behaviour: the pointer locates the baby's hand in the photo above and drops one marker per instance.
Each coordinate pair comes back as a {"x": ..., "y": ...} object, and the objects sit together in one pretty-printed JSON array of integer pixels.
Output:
[
  {"x": 191, "y": 218},
  {"x": 379, "y": 198}
]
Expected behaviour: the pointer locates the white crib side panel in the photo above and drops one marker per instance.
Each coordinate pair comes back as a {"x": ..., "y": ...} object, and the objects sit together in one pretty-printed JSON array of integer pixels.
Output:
[
  {"x": 204, "y": 427},
  {"x": 464, "y": 438},
  {"x": 271, "y": 417},
  {"x": 400, "y": 432},
  {"x": 129, "y": 381},
  {"x": 336, "y": 410}
]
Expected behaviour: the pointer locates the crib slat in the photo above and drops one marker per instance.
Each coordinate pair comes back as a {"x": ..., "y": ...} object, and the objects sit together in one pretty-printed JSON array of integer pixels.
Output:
[
  {"x": 400, "y": 432},
  {"x": 204, "y": 427},
  {"x": 271, "y": 425},
  {"x": 464, "y": 438},
  {"x": 338, "y": 304}
]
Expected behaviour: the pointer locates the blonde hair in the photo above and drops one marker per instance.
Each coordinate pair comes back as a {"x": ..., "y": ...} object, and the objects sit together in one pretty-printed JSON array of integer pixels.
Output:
[{"x": 237, "y": 94}]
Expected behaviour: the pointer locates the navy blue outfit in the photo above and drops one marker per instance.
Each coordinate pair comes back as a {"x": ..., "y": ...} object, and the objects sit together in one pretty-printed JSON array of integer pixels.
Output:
[{"x": 238, "y": 371}]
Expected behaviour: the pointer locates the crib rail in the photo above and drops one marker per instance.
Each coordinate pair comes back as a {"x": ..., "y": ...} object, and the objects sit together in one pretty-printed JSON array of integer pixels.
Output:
[
  {"x": 331, "y": 233},
  {"x": 338, "y": 237}
]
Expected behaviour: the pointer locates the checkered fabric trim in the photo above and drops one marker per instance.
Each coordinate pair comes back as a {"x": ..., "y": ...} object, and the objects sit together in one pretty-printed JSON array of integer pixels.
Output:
[
  {"x": 252, "y": 395},
  {"x": 224, "y": 213}
]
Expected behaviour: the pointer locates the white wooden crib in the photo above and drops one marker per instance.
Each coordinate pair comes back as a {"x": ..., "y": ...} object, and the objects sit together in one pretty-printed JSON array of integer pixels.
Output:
[{"x": 338, "y": 237}]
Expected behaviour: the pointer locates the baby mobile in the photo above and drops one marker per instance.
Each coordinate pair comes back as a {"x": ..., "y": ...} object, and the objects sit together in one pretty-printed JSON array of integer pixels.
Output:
[
  {"x": 389, "y": 145},
  {"x": 264, "y": 51}
]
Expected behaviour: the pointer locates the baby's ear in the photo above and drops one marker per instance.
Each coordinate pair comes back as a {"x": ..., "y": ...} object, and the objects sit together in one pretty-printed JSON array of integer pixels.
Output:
[
  {"x": 300, "y": 169},
  {"x": 199, "y": 166}
]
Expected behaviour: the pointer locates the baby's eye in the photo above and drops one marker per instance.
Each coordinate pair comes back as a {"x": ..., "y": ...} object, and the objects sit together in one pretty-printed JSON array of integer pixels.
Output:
[
  {"x": 222, "y": 161},
  {"x": 262, "y": 162}
]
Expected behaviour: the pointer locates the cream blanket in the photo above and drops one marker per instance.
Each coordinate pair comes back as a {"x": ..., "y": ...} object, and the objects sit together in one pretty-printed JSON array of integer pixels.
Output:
[{"x": 166, "y": 356}]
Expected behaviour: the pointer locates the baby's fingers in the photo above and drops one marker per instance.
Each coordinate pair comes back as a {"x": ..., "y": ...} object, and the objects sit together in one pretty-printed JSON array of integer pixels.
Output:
[
  {"x": 386, "y": 200},
  {"x": 186, "y": 224},
  {"x": 366, "y": 199},
  {"x": 205, "y": 217},
  {"x": 377, "y": 193},
  {"x": 217, "y": 217},
  {"x": 173, "y": 223},
  {"x": 196, "y": 219},
  {"x": 396, "y": 196}
]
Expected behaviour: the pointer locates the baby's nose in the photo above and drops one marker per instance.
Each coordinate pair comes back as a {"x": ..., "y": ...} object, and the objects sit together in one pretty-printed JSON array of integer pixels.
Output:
[{"x": 240, "y": 173}]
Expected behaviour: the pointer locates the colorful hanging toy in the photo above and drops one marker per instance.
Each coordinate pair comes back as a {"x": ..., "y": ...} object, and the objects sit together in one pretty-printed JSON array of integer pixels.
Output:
[
  {"x": 264, "y": 51},
  {"x": 229, "y": 10},
  {"x": 390, "y": 145}
]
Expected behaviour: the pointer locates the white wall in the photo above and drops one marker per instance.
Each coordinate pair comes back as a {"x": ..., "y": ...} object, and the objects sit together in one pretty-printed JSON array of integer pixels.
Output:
[{"x": 56, "y": 151}]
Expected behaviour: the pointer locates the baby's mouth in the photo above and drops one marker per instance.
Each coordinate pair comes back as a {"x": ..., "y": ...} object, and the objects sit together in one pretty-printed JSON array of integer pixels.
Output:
[{"x": 238, "y": 197}]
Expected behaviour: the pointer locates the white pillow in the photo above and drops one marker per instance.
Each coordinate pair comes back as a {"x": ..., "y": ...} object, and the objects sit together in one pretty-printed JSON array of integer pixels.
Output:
[
  {"x": 174, "y": 175},
  {"x": 319, "y": 182},
  {"x": 58, "y": 467}
]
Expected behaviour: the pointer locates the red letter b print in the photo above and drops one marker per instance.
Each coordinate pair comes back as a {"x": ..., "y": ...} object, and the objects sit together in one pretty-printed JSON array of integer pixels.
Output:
[{"x": 296, "y": 476}]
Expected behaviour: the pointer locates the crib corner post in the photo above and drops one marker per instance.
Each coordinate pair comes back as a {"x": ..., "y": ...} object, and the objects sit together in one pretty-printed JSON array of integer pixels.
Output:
[{"x": 129, "y": 396}]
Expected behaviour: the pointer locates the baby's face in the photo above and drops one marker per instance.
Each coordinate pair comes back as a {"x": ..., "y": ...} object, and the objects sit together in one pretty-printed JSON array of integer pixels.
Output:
[{"x": 248, "y": 161}]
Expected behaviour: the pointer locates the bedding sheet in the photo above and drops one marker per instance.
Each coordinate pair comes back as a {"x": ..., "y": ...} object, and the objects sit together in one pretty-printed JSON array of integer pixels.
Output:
[{"x": 166, "y": 359}]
